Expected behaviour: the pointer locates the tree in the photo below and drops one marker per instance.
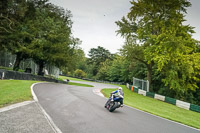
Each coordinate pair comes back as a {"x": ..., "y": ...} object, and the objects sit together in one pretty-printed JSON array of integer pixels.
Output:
[
  {"x": 80, "y": 59},
  {"x": 79, "y": 73},
  {"x": 39, "y": 30},
  {"x": 103, "y": 73},
  {"x": 155, "y": 35},
  {"x": 14, "y": 36},
  {"x": 53, "y": 43},
  {"x": 97, "y": 56}
]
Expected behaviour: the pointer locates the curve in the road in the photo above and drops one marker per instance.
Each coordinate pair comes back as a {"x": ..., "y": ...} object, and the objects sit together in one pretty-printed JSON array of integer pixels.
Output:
[{"x": 77, "y": 109}]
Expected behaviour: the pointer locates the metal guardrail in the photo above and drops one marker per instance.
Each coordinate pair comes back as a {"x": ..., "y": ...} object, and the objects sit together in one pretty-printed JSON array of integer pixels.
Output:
[
  {"x": 7, "y": 60},
  {"x": 5, "y": 74},
  {"x": 100, "y": 81},
  {"x": 173, "y": 101}
]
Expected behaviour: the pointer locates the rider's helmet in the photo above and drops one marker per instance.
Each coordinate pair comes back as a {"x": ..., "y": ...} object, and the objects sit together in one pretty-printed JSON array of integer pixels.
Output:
[{"x": 120, "y": 88}]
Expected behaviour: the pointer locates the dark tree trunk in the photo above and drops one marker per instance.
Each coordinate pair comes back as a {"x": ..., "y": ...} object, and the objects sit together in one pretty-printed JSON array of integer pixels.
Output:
[
  {"x": 17, "y": 62},
  {"x": 149, "y": 69},
  {"x": 149, "y": 74},
  {"x": 41, "y": 66}
]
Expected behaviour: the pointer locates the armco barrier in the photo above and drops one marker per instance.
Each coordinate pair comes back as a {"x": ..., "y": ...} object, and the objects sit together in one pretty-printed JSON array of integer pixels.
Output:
[
  {"x": 26, "y": 76},
  {"x": 135, "y": 89},
  {"x": 170, "y": 100},
  {"x": 173, "y": 101},
  {"x": 182, "y": 104},
  {"x": 142, "y": 92},
  {"x": 129, "y": 87},
  {"x": 195, "y": 108},
  {"x": 150, "y": 94},
  {"x": 159, "y": 97}
]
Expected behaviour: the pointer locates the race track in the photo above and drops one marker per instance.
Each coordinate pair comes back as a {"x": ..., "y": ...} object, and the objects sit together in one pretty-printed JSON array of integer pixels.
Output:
[{"x": 76, "y": 109}]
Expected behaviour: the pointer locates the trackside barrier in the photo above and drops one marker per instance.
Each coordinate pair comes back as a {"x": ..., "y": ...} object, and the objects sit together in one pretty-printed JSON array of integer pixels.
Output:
[
  {"x": 173, "y": 101},
  {"x": 150, "y": 94},
  {"x": 142, "y": 92},
  {"x": 195, "y": 108},
  {"x": 130, "y": 87},
  {"x": 135, "y": 90},
  {"x": 182, "y": 104},
  {"x": 170, "y": 100},
  {"x": 159, "y": 97},
  {"x": 127, "y": 85},
  {"x": 27, "y": 76}
]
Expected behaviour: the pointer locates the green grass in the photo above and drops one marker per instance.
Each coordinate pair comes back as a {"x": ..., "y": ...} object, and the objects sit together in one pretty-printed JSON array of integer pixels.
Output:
[
  {"x": 72, "y": 83},
  {"x": 14, "y": 91},
  {"x": 10, "y": 69},
  {"x": 70, "y": 78},
  {"x": 79, "y": 84},
  {"x": 158, "y": 108}
]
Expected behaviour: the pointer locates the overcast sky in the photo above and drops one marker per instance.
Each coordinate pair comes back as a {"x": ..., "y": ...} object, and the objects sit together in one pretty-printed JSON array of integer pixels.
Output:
[{"x": 94, "y": 21}]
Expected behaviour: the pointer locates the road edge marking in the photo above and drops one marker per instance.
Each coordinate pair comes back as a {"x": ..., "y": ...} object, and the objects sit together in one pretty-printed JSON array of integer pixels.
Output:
[
  {"x": 47, "y": 117},
  {"x": 152, "y": 114},
  {"x": 98, "y": 92},
  {"x": 15, "y": 106},
  {"x": 163, "y": 118}
]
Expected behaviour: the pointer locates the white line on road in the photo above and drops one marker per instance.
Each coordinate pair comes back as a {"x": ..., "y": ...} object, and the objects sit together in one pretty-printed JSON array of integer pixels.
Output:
[
  {"x": 15, "y": 106},
  {"x": 48, "y": 118},
  {"x": 99, "y": 91}
]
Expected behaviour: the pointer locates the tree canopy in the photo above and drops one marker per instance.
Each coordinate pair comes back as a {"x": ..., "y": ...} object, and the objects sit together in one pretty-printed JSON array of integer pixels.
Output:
[
  {"x": 97, "y": 56},
  {"x": 39, "y": 30},
  {"x": 155, "y": 35}
]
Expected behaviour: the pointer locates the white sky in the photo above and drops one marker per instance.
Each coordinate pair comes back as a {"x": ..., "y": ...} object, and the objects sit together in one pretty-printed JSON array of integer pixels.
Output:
[{"x": 94, "y": 21}]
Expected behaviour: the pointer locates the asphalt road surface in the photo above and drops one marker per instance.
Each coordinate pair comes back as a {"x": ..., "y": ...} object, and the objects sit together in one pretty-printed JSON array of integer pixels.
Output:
[{"x": 76, "y": 109}]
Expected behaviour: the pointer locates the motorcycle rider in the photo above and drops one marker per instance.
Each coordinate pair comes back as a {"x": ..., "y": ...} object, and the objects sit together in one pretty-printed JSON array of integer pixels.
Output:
[{"x": 119, "y": 97}]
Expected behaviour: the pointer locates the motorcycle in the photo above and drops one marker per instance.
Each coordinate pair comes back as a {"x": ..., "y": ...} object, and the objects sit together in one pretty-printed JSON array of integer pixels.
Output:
[{"x": 112, "y": 105}]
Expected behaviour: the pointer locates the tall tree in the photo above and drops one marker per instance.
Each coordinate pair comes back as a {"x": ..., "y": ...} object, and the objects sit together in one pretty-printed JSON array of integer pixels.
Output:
[
  {"x": 37, "y": 29},
  {"x": 97, "y": 56},
  {"x": 13, "y": 35},
  {"x": 154, "y": 29},
  {"x": 53, "y": 43}
]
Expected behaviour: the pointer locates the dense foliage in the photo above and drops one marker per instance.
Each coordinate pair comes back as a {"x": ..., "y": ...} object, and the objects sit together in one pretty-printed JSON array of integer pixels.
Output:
[
  {"x": 158, "y": 48},
  {"x": 155, "y": 36},
  {"x": 39, "y": 30}
]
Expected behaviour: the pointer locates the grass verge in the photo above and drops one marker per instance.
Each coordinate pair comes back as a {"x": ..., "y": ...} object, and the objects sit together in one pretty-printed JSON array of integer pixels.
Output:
[
  {"x": 72, "y": 83},
  {"x": 70, "y": 78},
  {"x": 14, "y": 91},
  {"x": 158, "y": 108},
  {"x": 79, "y": 84},
  {"x": 10, "y": 69}
]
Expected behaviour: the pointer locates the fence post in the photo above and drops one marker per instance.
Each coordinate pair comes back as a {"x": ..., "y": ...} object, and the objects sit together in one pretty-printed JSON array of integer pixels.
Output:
[
  {"x": 142, "y": 85},
  {"x": 3, "y": 74},
  {"x": 147, "y": 85}
]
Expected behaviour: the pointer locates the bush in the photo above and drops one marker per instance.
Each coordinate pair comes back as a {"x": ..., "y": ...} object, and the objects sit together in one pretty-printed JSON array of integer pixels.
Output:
[{"x": 79, "y": 73}]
